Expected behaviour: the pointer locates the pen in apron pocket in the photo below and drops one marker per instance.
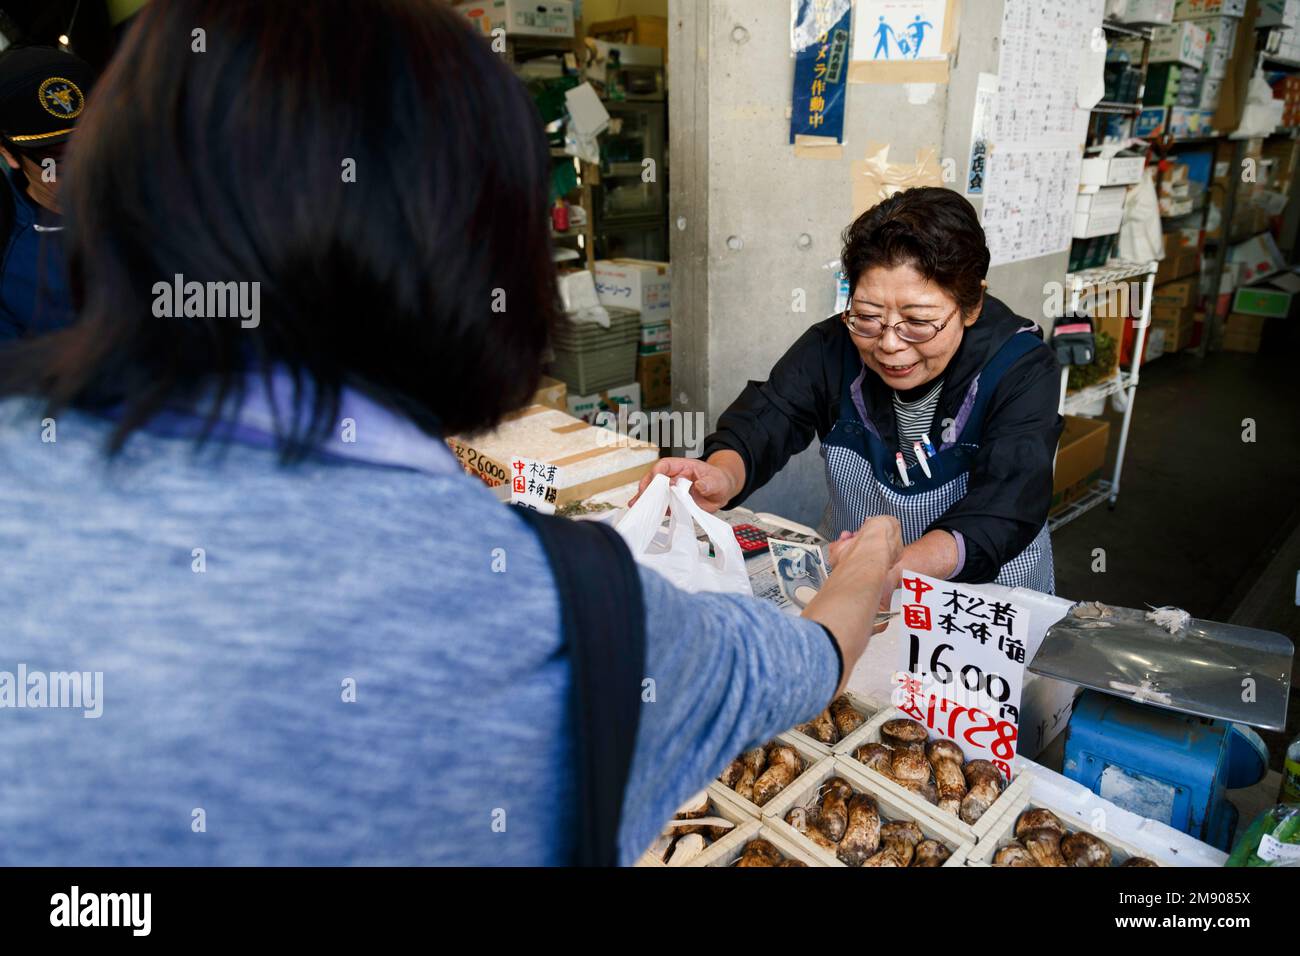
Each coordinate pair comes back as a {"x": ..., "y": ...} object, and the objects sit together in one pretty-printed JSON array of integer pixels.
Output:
[
  {"x": 920, "y": 458},
  {"x": 902, "y": 469}
]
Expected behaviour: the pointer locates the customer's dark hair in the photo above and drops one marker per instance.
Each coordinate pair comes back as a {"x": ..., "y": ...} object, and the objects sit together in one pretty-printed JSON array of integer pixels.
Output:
[
  {"x": 934, "y": 230},
  {"x": 427, "y": 283}
]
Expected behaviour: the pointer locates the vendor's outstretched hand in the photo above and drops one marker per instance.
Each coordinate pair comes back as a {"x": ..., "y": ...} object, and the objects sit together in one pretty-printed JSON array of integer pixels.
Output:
[{"x": 711, "y": 487}]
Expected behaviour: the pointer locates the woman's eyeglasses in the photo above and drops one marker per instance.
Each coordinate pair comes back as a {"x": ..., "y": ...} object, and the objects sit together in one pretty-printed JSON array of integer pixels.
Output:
[{"x": 912, "y": 331}]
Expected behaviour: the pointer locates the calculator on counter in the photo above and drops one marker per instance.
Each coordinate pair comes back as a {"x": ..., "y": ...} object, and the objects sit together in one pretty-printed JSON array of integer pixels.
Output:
[{"x": 752, "y": 538}]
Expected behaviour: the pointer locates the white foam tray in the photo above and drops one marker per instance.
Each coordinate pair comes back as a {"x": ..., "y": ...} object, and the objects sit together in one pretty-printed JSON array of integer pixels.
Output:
[
  {"x": 860, "y": 704},
  {"x": 1003, "y": 833}
]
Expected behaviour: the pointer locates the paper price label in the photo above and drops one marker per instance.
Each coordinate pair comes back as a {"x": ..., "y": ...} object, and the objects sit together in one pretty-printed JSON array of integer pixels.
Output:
[
  {"x": 532, "y": 484},
  {"x": 1274, "y": 850},
  {"x": 962, "y": 666}
]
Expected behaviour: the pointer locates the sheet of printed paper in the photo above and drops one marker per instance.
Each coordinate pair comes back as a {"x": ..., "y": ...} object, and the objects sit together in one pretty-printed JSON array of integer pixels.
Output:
[
  {"x": 1038, "y": 127},
  {"x": 899, "y": 30},
  {"x": 961, "y": 666},
  {"x": 533, "y": 484}
]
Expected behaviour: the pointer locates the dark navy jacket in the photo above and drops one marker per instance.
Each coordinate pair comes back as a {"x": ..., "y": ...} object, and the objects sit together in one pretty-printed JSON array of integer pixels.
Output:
[
  {"x": 1010, "y": 488},
  {"x": 34, "y": 294}
]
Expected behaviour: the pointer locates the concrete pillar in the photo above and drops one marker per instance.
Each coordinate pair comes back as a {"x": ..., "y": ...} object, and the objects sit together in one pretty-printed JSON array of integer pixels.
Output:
[{"x": 750, "y": 224}]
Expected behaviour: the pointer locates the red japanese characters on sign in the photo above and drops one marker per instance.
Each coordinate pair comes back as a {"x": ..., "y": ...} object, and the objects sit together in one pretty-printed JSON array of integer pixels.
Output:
[
  {"x": 962, "y": 666},
  {"x": 533, "y": 485}
]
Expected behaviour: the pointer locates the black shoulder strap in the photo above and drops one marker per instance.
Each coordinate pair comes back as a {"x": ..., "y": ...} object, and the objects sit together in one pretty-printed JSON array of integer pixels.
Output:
[{"x": 603, "y": 615}]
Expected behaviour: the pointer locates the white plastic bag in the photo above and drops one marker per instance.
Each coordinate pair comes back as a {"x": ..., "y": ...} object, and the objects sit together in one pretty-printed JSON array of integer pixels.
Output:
[
  {"x": 673, "y": 550},
  {"x": 1140, "y": 238}
]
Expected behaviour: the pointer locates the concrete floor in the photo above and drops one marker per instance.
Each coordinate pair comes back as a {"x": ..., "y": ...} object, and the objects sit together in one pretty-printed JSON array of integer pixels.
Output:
[{"x": 1204, "y": 520}]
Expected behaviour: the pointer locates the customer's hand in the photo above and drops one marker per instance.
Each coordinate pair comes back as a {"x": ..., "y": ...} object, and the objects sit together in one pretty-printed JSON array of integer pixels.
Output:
[
  {"x": 891, "y": 579},
  {"x": 711, "y": 487},
  {"x": 861, "y": 565}
]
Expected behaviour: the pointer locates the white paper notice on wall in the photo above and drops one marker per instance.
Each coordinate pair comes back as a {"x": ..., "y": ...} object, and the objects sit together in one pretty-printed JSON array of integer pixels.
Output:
[
  {"x": 1092, "y": 70},
  {"x": 1038, "y": 128}
]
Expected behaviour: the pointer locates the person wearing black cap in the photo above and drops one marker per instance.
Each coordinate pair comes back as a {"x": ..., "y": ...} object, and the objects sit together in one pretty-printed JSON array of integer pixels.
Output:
[{"x": 42, "y": 92}]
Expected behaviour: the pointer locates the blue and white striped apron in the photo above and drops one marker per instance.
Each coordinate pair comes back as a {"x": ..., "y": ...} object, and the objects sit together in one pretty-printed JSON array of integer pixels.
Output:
[{"x": 862, "y": 475}]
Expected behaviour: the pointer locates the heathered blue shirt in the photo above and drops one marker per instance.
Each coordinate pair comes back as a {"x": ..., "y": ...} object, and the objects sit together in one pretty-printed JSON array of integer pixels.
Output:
[{"x": 345, "y": 673}]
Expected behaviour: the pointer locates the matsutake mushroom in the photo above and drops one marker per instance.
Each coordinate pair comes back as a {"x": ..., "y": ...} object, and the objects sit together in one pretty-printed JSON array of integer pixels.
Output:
[
  {"x": 754, "y": 762},
  {"x": 806, "y": 821},
  {"x": 759, "y": 853},
  {"x": 862, "y": 835},
  {"x": 946, "y": 759},
  {"x": 845, "y": 717},
  {"x": 821, "y": 728},
  {"x": 834, "y": 816},
  {"x": 876, "y": 757},
  {"x": 783, "y": 765},
  {"x": 931, "y": 853},
  {"x": 686, "y": 849},
  {"x": 904, "y": 734},
  {"x": 1013, "y": 854},
  {"x": 1084, "y": 849},
  {"x": 1139, "y": 861},
  {"x": 984, "y": 783}
]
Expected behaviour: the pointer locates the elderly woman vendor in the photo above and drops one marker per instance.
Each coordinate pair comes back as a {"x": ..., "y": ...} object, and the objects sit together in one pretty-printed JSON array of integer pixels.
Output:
[{"x": 933, "y": 402}]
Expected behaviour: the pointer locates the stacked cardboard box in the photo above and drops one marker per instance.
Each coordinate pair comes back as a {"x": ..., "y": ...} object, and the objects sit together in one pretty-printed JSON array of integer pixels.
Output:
[
  {"x": 1287, "y": 89},
  {"x": 1080, "y": 458},
  {"x": 1140, "y": 11},
  {"x": 645, "y": 286},
  {"x": 1183, "y": 42},
  {"x": 1098, "y": 211},
  {"x": 1282, "y": 17},
  {"x": 1241, "y": 333},
  {"x": 1171, "y": 84},
  {"x": 1172, "y": 309}
]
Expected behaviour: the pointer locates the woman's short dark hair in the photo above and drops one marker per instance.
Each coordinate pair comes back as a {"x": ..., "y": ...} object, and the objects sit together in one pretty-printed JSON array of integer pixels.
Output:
[
  {"x": 934, "y": 230},
  {"x": 372, "y": 164}
]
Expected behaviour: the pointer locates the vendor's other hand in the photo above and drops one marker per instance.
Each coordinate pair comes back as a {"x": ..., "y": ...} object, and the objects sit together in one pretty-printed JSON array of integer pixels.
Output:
[
  {"x": 711, "y": 487},
  {"x": 875, "y": 548}
]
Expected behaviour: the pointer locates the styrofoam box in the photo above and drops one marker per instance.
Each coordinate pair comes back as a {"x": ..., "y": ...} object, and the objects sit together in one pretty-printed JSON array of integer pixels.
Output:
[
  {"x": 729, "y": 849},
  {"x": 1086, "y": 225},
  {"x": 806, "y": 791},
  {"x": 1004, "y": 833},
  {"x": 869, "y": 733},
  {"x": 718, "y": 807},
  {"x": 1116, "y": 171},
  {"x": 811, "y": 753},
  {"x": 1093, "y": 199},
  {"x": 860, "y": 704}
]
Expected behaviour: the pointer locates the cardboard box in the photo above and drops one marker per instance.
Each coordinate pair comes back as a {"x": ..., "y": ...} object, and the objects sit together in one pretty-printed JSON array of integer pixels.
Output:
[
  {"x": 1098, "y": 211},
  {"x": 1190, "y": 9},
  {"x": 1182, "y": 42},
  {"x": 1178, "y": 294},
  {"x": 1262, "y": 300},
  {"x": 655, "y": 338},
  {"x": 1221, "y": 38},
  {"x": 636, "y": 284},
  {"x": 1177, "y": 326},
  {"x": 1140, "y": 11},
  {"x": 1080, "y": 456},
  {"x": 654, "y": 375},
  {"x": 1259, "y": 257},
  {"x": 552, "y": 393},
  {"x": 588, "y": 461},
  {"x": 539, "y": 18},
  {"x": 587, "y": 407},
  {"x": 1178, "y": 263},
  {"x": 638, "y": 31},
  {"x": 1278, "y": 13},
  {"x": 1242, "y": 333}
]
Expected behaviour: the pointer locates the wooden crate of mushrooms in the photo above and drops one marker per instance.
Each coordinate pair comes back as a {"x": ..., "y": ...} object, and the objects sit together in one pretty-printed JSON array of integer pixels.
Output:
[
  {"x": 845, "y": 819},
  {"x": 1032, "y": 834},
  {"x": 894, "y": 750},
  {"x": 758, "y": 845},
  {"x": 845, "y": 714},
  {"x": 758, "y": 775},
  {"x": 701, "y": 824}
]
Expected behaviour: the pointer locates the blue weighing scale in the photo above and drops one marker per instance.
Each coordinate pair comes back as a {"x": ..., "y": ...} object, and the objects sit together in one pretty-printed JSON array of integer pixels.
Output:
[{"x": 1161, "y": 727}]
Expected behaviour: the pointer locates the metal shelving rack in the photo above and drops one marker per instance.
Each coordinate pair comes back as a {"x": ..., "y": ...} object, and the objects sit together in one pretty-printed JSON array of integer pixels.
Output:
[
  {"x": 519, "y": 50},
  {"x": 1121, "y": 383}
]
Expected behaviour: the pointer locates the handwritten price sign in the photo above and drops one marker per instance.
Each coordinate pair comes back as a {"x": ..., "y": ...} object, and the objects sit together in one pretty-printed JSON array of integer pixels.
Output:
[
  {"x": 963, "y": 666},
  {"x": 532, "y": 484}
]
